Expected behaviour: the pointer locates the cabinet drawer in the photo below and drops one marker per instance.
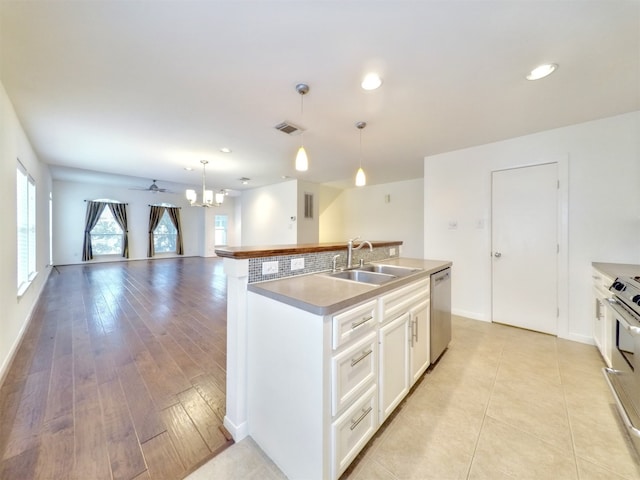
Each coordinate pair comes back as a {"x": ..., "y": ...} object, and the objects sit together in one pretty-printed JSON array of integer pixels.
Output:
[
  {"x": 351, "y": 432},
  {"x": 353, "y": 323},
  {"x": 399, "y": 301},
  {"x": 352, "y": 371}
]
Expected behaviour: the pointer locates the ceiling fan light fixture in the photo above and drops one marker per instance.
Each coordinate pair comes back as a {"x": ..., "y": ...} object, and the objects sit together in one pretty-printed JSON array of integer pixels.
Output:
[
  {"x": 371, "y": 81},
  {"x": 542, "y": 71}
]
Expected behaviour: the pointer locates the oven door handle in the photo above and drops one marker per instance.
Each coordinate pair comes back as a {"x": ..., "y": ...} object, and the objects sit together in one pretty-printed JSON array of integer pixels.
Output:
[{"x": 622, "y": 317}]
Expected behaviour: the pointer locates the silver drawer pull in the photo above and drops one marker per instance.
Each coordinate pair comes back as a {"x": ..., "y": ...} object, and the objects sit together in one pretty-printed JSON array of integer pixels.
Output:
[
  {"x": 355, "y": 423},
  {"x": 364, "y": 320},
  {"x": 361, "y": 357}
]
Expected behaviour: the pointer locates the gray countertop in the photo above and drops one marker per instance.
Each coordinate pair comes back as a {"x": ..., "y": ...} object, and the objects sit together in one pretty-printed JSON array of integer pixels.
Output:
[
  {"x": 614, "y": 270},
  {"x": 322, "y": 295}
]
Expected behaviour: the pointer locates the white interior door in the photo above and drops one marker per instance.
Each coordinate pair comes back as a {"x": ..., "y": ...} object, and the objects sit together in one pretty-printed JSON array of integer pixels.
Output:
[{"x": 525, "y": 247}]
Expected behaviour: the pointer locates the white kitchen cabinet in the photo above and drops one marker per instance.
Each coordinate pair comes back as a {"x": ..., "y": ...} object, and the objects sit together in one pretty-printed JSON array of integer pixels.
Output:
[
  {"x": 420, "y": 341},
  {"x": 602, "y": 322},
  {"x": 315, "y": 383},
  {"x": 394, "y": 363}
]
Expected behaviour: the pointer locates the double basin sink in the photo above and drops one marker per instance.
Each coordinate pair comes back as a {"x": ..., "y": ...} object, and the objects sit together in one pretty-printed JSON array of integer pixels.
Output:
[{"x": 374, "y": 274}]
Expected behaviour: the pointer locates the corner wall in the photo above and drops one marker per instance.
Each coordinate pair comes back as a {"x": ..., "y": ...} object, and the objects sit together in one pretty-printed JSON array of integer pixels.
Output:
[
  {"x": 604, "y": 208},
  {"x": 365, "y": 212}
]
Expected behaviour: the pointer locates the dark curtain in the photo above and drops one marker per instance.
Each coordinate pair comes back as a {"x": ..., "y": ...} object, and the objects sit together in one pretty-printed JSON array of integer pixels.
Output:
[
  {"x": 174, "y": 215},
  {"x": 94, "y": 210},
  {"x": 155, "y": 215},
  {"x": 119, "y": 211}
]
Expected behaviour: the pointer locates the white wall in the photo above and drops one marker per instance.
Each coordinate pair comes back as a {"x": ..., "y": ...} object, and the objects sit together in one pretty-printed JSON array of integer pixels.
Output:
[
  {"x": 69, "y": 211},
  {"x": 16, "y": 311},
  {"x": 266, "y": 214},
  {"x": 604, "y": 208},
  {"x": 364, "y": 212},
  {"x": 308, "y": 228},
  {"x": 331, "y": 222}
]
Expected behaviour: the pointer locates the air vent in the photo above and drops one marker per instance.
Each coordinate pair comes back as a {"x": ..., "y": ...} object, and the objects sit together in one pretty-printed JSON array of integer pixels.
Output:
[{"x": 289, "y": 128}]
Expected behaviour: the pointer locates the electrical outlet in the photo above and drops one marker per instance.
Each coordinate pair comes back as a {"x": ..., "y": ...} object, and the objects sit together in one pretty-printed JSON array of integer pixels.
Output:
[
  {"x": 392, "y": 251},
  {"x": 297, "y": 264},
  {"x": 269, "y": 268},
  {"x": 453, "y": 224}
]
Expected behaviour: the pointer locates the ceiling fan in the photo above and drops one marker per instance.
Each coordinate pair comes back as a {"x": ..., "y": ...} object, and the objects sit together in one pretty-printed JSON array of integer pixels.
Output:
[{"x": 153, "y": 188}]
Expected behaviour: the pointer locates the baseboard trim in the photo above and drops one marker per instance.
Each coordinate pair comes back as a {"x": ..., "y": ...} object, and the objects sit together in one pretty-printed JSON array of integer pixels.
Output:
[
  {"x": 471, "y": 315},
  {"x": 8, "y": 361},
  {"x": 238, "y": 432}
]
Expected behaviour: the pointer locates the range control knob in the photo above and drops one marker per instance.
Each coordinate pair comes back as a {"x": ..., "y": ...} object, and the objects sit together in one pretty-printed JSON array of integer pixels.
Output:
[
  {"x": 619, "y": 286},
  {"x": 636, "y": 299}
]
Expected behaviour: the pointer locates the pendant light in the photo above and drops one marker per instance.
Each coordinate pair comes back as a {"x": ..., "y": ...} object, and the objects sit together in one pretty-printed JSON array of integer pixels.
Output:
[
  {"x": 302, "y": 161},
  {"x": 207, "y": 195},
  {"x": 361, "y": 179}
]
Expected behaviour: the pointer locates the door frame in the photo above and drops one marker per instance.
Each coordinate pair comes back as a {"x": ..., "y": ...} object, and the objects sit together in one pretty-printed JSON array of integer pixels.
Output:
[{"x": 562, "y": 272}]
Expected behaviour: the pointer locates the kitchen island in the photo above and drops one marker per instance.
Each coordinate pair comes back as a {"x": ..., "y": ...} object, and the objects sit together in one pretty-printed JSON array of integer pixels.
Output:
[{"x": 325, "y": 360}]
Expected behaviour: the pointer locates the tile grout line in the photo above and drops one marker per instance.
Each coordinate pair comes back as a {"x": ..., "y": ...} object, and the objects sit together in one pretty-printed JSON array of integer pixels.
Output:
[{"x": 484, "y": 414}]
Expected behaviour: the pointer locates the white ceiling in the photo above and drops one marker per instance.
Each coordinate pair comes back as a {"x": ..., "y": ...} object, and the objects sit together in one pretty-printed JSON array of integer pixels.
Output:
[{"x": 146, "y": 88}]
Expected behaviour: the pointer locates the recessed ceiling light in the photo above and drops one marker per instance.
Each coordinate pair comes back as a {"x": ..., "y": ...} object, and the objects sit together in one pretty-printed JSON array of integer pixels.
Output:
[
  {"x": 188, "y": 169},
  {"x": 225, "y": 150},
  {"x": 371, "y": 81},
  {"x": 244, "y": 180},
  {"x": 542, "y": 71}
]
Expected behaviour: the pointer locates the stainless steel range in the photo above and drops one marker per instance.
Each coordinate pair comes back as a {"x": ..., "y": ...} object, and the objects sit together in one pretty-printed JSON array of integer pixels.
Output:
[{"x": 624, "y": 376}]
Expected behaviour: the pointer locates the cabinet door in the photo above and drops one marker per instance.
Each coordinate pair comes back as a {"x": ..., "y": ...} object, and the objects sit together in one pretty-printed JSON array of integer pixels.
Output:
[
  {"x": 394, "y": 364},
  {"x": 420, "y": 330}
]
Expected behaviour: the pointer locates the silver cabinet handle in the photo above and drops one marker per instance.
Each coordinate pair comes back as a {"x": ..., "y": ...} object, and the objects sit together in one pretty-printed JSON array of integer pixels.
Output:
[
  {"x": 497, "y": 254},
  {"x": 417, "y": 327},
  {"x": 364, "y": 355},
  {"x": 355, "y": 423},
  {"x": 364, "y": 320}
]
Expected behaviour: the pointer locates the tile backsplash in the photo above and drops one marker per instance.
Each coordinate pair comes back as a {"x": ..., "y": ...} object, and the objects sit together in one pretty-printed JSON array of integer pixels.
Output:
[{"x": 314, "y": 262}]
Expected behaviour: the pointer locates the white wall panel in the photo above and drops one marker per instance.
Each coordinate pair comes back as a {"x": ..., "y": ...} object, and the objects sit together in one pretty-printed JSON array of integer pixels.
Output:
[{"x": 16, "y": 311}]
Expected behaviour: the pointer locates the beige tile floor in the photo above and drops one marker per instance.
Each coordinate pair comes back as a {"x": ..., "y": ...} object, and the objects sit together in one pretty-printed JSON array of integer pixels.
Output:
[{"x": 502, "y": 403}]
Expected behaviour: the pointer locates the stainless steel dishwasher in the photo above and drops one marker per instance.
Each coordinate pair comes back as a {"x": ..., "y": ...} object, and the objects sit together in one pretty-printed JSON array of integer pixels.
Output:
[{"x": 440, "y": 312}]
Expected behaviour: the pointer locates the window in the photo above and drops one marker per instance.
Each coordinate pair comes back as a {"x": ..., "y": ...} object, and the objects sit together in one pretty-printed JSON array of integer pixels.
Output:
[
  {"x": 165, "y": 235},
  {"x": 220, "y": 230},
  {"x": 107, "y": 236},
  {"x": 26, "y": 215}
]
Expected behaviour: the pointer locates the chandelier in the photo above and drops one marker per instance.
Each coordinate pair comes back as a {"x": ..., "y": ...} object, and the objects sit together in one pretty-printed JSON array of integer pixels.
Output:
[{"x": 207, "y": 195}]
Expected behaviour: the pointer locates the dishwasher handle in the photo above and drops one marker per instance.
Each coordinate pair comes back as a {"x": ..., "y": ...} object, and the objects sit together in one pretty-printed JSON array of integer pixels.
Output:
[{"x": 442, "y": 276}]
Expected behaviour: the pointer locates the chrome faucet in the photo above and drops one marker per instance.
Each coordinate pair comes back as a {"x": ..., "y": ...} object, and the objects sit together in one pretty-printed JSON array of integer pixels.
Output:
[
  {"x": 334, "y": 260},
  {"x": 350, "y": 249}
]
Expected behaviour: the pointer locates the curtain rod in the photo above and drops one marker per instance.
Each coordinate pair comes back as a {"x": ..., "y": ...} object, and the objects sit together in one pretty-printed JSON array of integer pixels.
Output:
[
  {"x": 97, "y": 201},
  {"x": 163, "y": 206}
]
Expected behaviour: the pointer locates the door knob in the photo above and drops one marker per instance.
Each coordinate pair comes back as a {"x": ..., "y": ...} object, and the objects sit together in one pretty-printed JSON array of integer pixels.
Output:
[{"x": 497, "y": 254}]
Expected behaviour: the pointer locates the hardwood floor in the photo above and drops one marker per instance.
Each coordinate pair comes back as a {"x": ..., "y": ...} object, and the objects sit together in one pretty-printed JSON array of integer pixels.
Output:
[{"x": 121, "y": 374}]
